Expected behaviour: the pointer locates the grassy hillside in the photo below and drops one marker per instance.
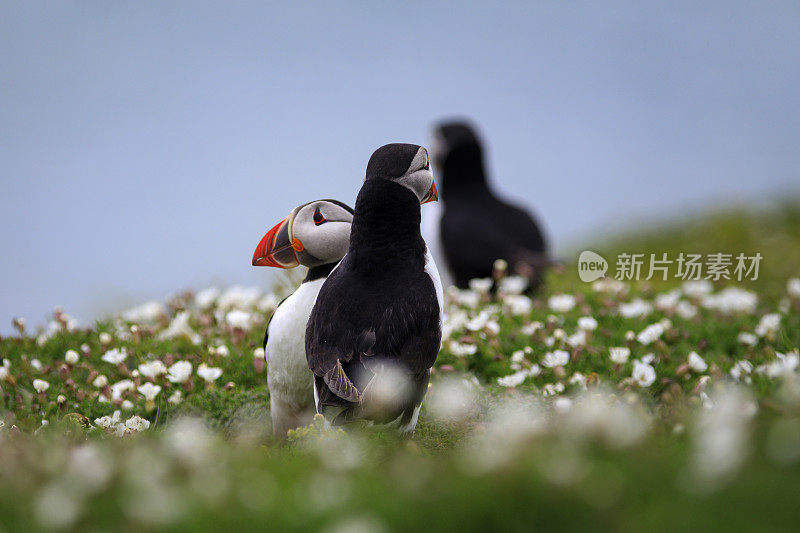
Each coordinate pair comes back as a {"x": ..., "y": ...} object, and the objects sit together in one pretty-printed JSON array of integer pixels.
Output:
[{"x": 623, "y": 406}]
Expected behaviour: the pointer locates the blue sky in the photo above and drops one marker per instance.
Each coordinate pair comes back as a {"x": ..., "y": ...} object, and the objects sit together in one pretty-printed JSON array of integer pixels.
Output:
[{"x": 145, "y": 147}]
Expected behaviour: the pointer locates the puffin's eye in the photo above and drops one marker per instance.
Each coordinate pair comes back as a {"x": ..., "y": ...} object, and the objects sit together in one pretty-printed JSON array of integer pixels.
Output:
[
  {"x": 318, "y": 217},
  {"x": 427, "y": 165}
]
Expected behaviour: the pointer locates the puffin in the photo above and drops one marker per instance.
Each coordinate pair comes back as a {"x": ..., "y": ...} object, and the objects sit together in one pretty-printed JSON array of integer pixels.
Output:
[
  {"x": 376, "y": 327},
  {"x": 316, "y": 236},
  {"x": 475, "y": 227}
]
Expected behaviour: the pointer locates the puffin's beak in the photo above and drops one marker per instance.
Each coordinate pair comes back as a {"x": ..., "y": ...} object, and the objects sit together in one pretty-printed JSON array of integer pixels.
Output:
[
  {"x": 432, "y": 194},
  {"x": 277, "y": 248}
]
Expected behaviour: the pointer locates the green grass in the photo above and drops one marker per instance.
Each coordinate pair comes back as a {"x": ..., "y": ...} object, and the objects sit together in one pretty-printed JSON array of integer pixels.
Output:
[{"x": 617, "y": 455}]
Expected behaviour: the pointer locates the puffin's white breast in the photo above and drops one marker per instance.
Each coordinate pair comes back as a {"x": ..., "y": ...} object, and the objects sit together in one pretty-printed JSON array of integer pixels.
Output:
[
  {"x": 433, "y": 272},
  {"x": 288, "y": 375}
]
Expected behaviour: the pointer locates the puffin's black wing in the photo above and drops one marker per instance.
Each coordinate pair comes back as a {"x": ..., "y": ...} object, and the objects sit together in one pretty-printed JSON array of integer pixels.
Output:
[{"x": 357, "y": 322}]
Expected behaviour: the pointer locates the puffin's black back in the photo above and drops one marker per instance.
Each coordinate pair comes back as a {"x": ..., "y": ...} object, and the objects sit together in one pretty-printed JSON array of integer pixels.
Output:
[
  {"x": 476, "y": 227},
  {"x": 379, "y": 292}
]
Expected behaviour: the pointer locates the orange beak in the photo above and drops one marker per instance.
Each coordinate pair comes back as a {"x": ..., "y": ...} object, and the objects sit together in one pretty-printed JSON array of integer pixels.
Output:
[
  {"x": 277, "y": 248},
  {"x": 432, "y": 194}
]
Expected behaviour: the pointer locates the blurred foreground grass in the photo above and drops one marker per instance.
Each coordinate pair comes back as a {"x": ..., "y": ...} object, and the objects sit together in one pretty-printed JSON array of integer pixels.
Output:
[{"x": 649, "y": 405}]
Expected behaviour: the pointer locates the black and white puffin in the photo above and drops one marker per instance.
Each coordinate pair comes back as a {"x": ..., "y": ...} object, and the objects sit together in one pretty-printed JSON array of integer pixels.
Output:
[
  {"x": 475, "y": 228},
  {"x": 314, "y": 235},
  {"x": 375, "y": 330}
]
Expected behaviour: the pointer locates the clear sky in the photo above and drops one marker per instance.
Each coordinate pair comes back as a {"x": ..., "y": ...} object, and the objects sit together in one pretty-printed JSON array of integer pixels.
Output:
[{"x": 145, "y": 147}]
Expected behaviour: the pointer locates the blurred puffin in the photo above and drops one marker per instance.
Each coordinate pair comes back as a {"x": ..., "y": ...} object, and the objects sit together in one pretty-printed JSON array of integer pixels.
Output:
[
  {"x": 375, "y": 330},
  {"x": 475, "y": 227},
  {"x": 315, "y": 235}
]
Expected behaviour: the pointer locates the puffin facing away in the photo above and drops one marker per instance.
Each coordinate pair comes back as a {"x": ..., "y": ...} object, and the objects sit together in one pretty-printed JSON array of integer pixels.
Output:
[
  {"x": 476, "y": 228},
  {"x": 315, "y": 235},
  {"x": 375, "y": 330}
]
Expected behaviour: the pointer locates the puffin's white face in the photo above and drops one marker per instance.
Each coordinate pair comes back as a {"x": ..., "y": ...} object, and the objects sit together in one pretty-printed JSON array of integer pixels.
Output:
[
  {"x": 419, "y": 178},
  {"x": 314, "y": 234}
]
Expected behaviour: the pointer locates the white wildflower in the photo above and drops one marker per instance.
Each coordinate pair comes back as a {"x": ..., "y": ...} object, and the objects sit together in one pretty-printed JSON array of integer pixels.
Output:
[
  {"x": 512, "y": 380},
  {"x": 36, "y": 364},
  {"x": 179, "y": 327},
  {"x": 551, "y": 389},
  {"x": 40, "y": 385},
  {"x": 555, "y": 358},
  {"x": 619, "y": 354},
  {"x": 603, "y": 416},
  {"x": 587, "y": 323},
  {"x": 647, "y": 358},
  {"x": 175, "y": 398},
  {"x": 136, "y": 423},
  {"x": 127, "y": 405},
  {"x": 512, "y": 285},
  {"x": 222, "y": 350},
  {"x": 578, "y": 379},
  {"x": 268, "y": 303},
  {"x": 467, "y": 298},
  {"x": 115, "y": 356},
  {"x": 149, "y": 391},
  {"x": 747, "y": 338},
  {"x": 643, "y": 375},
  {"x": 105, "y": 338},
  {"x": 238, "y": 297},
  {"x": 121, "y": 387},
  {"x": 731, "y": 300},
  {"x": 206, "y": 297},
  {"x": 721, "y": 435},
  {"x": 610, "y": 286},
  {"x": 784, "y": 365},
  {"x": 258, "y": 353},
  {"x": 71, "y": 357},
  {"x": 636, "y": 308},
  {"x": 532, "y": 328},
  {"x": 100, "y": 381},
  {"x": 793, "y": 287},
  {"x": 147, "y": 313},
  {"x": 481, "y": 285},
  {"x": 562, "y": 405},
  {"x": 697, "y": 363},
  {"x": 180, "y": 371},
  {"x": 668, "y": 301},
  {"x": 768, "y": 325},
  {"x": 239, "y": 319},
  {"x": 479, "y": 322},
  {"x": 106, "y": 422},
  {"x": 493, "y": 327},
  {"x": 650, "y": 334},
  {"x": 741, "y": 369},
  {"x": 686, "y": 310},
  {"x": 561, "y": 303},
  {"x": 453, "y": 399},
  {"x": 460, "y": 350},
  {"x": 577, "y": 339},
  {"x": 518, "y": 304},
  {"x": 152, "y": 369},
  {"x": 696, "y": 289},
  {"x": 208, "y": 373}
]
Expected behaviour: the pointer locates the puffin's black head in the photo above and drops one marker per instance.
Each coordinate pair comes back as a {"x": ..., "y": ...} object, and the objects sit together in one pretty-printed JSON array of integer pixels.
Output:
[
  {"x": 405, "y": 164},
  {"x": 457, "y": 155},
  {"x": 455, "y": 135}
]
